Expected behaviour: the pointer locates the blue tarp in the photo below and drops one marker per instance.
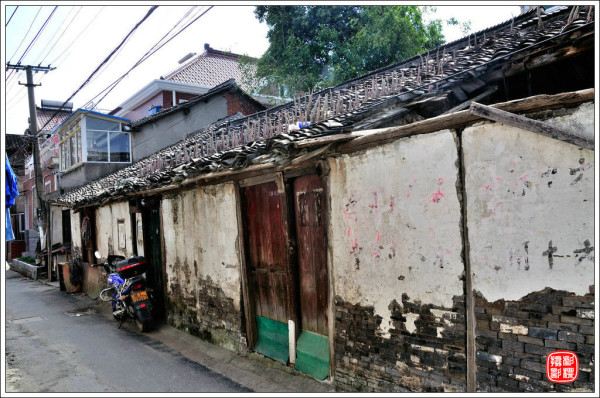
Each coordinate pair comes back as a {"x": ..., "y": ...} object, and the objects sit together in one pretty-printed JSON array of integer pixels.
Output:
[{"x": 12, "y": 191}]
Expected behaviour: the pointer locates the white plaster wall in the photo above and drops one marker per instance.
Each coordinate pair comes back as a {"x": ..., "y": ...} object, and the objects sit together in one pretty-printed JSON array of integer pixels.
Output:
[
  {"x": 201, "y": 239},
  {"x": 120, "y": 211},
  {"x": 56, "y": 217},
  {"x": 580, "y": 123},
  {"x": 76, "y": 230},
  {"x": 107, "y": 232},
  {"x": 395, "y": 224},
  {"x": 524, "y": 191}
]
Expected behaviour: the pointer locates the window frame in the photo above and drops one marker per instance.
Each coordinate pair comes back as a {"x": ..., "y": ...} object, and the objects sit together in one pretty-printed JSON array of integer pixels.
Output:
[{"x": 79, "y": 143}]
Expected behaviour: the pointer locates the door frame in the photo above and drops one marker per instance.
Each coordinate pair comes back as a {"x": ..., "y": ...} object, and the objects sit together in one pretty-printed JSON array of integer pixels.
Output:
[
  {"x": 283, "y": 180},
  {"x": 248, "y": 293}
]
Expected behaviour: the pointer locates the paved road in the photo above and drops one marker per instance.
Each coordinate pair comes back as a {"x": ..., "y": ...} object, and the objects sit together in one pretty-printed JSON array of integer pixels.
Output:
[{"x": 53, "y": 344}]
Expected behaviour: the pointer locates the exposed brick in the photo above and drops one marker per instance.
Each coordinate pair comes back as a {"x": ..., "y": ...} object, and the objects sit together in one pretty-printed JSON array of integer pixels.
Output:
[
  {"x": 515, "y": 329},
  {"x": 487, "y": 333},
  {"x": 585, "y": 349},
  {"x": 536, "y": 349},
  {"x": 575, "y": 320},
  {"x": 419, "y": 361},
  {"x": 562, "y": 326},
  {"x": 585, "y": 313},
  {"x": 578, "y": 301},
  {"x": 508, "y": 384},
  {"x": 535, "y": 366},
  {"x": 589, "y": 340},
  {"x": 507, "y": 336},
  {"x": 531, "y": 340},
  {"x": 563, "y": 345},
  {"x": 487, "y": 357},
  {"x": 543, "y": 333},
  {"x": 533, "y": 375},
  {"x": 586, "y": 329},
  {"x": 561, "y": 310},
  {"x": 571, "y": 337},
  {"x": 512, "y": 346}
]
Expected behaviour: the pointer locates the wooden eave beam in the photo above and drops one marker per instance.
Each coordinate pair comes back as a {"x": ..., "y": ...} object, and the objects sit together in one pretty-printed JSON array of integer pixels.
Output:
[{"x": 525, "y": 123}]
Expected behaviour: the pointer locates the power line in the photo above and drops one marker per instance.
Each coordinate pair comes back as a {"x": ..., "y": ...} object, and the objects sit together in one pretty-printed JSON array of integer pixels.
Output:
[
  {"x": 37, "y": 35},
  {"x": 60, "y": 36},
  {"x": 11, "y": 16},
  {"x": 13, "y": 72},
  {"x": 146, "y": 56},
  {"x": 137, "y": 63},
  {"x": 79, "y": 35},
  {"x": 137, "y": 25}
]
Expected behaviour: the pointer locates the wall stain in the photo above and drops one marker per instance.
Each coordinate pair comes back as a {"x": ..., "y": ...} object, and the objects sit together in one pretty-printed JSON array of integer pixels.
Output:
[
  {"x": 550, "y": 254},
  {"x": 526, "y": 247},
  {"x": 587, "y": 249}
]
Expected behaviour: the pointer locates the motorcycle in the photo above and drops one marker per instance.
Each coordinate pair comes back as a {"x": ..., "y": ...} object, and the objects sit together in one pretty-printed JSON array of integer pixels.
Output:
[{"x": 127, "y": 290}]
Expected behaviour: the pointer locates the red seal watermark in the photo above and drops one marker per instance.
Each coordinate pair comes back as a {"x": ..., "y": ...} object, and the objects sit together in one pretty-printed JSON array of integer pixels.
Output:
[{"x": 562, "y": 367}]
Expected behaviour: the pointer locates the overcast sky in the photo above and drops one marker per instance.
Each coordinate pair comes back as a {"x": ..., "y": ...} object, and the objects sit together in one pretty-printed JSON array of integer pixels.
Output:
[{"x": 76, "y": 39}]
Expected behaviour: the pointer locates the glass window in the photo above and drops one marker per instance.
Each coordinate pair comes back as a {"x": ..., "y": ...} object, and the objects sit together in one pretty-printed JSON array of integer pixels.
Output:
[
  {"x": 101, "y": 124},
  {"x": 97, "y": 146},
  {"x": 119, "y": 147}
]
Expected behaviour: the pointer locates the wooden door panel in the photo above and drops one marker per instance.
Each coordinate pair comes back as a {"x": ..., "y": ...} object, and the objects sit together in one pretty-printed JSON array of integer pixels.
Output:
[
  {"x": 309, "y": 202},
  {"x": 267, "y": 245}
]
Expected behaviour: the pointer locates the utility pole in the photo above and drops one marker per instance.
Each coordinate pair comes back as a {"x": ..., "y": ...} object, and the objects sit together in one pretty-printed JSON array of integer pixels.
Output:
[{"x": 33, "y": 133}]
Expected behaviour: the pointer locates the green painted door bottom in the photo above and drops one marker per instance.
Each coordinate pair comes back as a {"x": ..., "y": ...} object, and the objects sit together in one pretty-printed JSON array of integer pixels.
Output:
[
  {"x": 273, "y": 340},
  {"x": 312, "y": 355}
]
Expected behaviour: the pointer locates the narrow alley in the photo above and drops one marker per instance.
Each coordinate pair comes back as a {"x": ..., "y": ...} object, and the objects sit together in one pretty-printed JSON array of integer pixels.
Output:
[{"x": 64, "y": 343}]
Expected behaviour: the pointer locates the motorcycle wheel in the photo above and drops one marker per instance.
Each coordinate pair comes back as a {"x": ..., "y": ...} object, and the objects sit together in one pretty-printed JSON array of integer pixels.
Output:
[{"x": 143, "y": 326}]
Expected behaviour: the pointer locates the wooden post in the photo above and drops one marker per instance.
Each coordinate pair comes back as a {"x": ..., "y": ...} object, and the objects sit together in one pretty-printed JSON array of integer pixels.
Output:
[{"x": 248, "y": 299}]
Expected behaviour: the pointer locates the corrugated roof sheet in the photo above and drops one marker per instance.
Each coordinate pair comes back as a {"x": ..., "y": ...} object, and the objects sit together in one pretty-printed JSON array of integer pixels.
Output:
[{"x": 348, "y": 103}]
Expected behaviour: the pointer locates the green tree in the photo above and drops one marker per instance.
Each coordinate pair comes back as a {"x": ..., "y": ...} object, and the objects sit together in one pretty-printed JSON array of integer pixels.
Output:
[{"x": 317, "y": 46}]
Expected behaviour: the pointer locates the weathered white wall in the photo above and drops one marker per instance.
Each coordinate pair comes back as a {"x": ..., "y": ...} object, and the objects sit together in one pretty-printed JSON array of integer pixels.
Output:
[
  {"x": 201, "y": 239},
  {"x": 76, "y": 231},
  {"x": 56, "y": 217},
  {"x": 107, "y": 234},
  {"x": 579, "y": 122},
  {"x": 526, "y": 193},
  {"x": 395, "y": 223}
]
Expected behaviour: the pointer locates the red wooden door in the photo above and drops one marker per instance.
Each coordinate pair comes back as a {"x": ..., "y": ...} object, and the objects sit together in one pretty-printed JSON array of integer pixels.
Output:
[
  {"x": 311, "y": 236},
  {"x": 268, "y": 255}
]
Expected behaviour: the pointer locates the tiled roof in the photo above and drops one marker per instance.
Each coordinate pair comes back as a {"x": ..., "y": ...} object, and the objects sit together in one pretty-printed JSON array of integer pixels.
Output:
[
  {"x": 209, "y": 69},
  {"x": 43, "y": 115},
  {"x": 340, "y": 108}
]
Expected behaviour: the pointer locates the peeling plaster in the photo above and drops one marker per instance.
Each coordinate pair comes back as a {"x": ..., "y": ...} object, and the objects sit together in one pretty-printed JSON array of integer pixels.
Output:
[
  {"x": 371, "y": 239},
  {"x": 526, "y": 234}
]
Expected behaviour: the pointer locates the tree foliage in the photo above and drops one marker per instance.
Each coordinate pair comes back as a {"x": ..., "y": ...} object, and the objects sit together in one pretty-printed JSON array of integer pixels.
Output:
[{"x": 318, "y": 46}]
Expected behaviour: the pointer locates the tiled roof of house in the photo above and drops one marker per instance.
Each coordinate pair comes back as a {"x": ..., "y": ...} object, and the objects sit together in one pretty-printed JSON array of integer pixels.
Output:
[
  {"x": 209, "y": 69},
  {"x": 381, "y": 94}
]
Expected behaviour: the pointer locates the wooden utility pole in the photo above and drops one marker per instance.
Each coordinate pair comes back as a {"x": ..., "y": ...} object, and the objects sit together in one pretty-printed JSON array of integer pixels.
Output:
[{"x": 33, "y": 133}]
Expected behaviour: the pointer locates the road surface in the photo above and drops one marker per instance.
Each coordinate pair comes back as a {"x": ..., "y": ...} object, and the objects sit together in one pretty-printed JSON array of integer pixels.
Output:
[{"x": 55, "y": 343}]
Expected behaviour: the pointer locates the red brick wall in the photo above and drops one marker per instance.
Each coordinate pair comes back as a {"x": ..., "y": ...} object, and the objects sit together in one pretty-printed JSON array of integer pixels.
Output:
[
  {"x": 238, "y": 103},
  {"x": 184, "y": 96}
]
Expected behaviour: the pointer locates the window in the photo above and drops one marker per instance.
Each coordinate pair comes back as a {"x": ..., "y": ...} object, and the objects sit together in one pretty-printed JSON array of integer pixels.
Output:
[
  {"x": 70, "y": 147},
  {"x": 102, "y": 141},
  {"x": 106, "y": 142}
]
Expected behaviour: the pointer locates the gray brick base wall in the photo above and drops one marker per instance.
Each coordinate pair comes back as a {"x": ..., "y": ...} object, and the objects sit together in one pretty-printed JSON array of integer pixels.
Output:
[
  {"x": 514, "y": 338},
  {"x": 429, "y": 358}
]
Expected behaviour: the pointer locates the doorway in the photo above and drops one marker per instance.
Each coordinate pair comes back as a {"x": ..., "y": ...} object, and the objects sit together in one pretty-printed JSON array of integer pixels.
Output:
[
  {"x": 286, "y": 251},
  {"x": 151, "y": 249}
]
